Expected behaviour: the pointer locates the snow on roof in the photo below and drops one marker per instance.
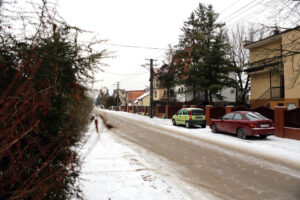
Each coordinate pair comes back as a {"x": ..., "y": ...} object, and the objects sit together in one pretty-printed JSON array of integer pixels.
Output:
[{"x": 143, "y": 95}]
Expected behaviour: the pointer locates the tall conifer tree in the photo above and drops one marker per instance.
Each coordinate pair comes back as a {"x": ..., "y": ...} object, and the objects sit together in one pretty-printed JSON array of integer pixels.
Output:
[{"x": 206, "y": 43}]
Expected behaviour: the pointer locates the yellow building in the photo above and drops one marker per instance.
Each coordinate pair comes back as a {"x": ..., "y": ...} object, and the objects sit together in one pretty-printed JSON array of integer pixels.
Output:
[
  {"x": 275, "y": 70},
  {"x": 143, "y": 100},
  {"x": 159, "y": 93}
]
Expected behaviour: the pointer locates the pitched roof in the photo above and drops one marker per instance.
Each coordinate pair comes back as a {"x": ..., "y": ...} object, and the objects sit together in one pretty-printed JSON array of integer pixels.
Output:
[
  {"x": 143, "y": 95},
  {"x": 132, "y": 95},
  {"x": 274, "y": 37}
]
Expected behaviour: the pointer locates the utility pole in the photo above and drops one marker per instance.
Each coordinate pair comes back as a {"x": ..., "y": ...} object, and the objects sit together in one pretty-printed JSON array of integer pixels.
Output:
[
  {"x": 151, "y": 87},
  {"x": 118, "y": 87}
]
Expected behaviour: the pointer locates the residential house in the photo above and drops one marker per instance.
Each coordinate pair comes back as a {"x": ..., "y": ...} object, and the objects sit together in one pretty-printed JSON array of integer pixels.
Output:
[
  {"x": 159, "y": 92},
  {"x": 228, "y": 93},
  {"x": 132, "y": 95},
  {"x": 143, "y": 100},
  {"x": 275, "y": 69},
  {"x": 120, "y": 95}
]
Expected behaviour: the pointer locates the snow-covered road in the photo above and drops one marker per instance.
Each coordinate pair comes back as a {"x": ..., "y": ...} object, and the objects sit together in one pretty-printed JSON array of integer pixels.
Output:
[
  {"x": 113, "y": 170},
  {"x": 274, "y": 148}
]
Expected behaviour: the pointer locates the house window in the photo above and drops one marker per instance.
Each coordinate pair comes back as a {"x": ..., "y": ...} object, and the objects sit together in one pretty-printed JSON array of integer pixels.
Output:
[
  {"x": 181, "y": 90},
  {"x": 165, "y": 93},
  {"x": 155, "y": 94}
]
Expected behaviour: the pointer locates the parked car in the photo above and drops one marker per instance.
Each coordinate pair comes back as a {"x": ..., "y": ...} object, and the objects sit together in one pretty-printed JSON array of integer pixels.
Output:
[
  {"x": 189, "y": 117},
  {"x": 243, "y": 124}
]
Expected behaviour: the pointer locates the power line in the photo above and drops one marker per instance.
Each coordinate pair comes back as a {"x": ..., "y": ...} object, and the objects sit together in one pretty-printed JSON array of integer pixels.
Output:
[
  {"x": 125, "y": 74},
  {"x": 246, "y": 17},
  {"x": 137, "y": 47},
  {"x": 249, "y": 9},
  {"x": 239, "y": 10},
  {"x": 229, "y": 6}
]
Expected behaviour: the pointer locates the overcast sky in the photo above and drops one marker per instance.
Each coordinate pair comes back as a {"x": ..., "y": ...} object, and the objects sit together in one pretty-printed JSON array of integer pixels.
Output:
[{"x": 142, "y": 23}]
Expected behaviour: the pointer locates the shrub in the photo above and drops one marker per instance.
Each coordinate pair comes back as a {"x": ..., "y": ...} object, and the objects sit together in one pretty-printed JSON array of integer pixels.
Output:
[{"x": 44, "y": 111}]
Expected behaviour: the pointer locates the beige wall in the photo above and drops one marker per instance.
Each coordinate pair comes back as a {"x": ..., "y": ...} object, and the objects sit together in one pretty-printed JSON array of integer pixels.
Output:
[
  {"x": 155, "y": 82},
  {"x": 156, "y": 89},
  {"x": 260, "y": 82},
  {"x": 292, "y": 65},
  {"x": 146, "y": 101},
  {"x": 159, "y": 94},
  {"x": 267, "y": 51}
]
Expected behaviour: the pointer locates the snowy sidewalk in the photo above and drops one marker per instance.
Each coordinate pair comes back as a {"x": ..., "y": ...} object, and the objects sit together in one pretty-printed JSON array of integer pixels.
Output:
[{"x": 111, "y": 170}]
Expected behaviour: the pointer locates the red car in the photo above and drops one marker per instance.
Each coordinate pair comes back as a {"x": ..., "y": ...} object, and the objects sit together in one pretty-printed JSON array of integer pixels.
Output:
[{"x": 243, "y": 124}]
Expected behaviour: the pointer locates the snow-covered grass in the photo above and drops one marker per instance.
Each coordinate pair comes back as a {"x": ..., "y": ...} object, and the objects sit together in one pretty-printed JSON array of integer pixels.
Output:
[
  {"x": 273, "y": 148},
  {"x": 111, "y": 170}
]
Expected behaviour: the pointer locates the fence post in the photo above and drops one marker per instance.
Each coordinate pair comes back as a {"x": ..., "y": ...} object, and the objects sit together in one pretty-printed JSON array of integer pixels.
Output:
[
  {"x": 167, "y": 111},
  {"x": 279, "y": 120},
  {"x": 229, "y": 109},
  {"x": 157, "y": 111},
  {"x": 207, "y": 114}
]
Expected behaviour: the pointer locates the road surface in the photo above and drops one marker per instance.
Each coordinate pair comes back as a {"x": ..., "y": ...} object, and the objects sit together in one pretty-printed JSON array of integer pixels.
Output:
[{"x": 224, "y": 173}]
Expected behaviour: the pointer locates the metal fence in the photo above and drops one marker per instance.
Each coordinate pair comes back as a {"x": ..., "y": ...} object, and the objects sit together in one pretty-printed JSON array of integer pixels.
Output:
[
  {"x": 217, "y": 112},
  {"x": 173, "y": 110},
  {"x": 292, "y": 118},
  {"x": 267, "y": 112}
]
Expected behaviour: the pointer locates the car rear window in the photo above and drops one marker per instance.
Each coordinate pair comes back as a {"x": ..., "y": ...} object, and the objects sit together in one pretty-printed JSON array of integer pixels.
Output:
[
  {"x": 197, "y": 112},
  {"x": 254, "y": 116}
]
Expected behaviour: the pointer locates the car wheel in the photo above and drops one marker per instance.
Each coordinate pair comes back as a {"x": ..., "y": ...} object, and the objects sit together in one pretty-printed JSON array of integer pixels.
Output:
[
  {"x": 174, "y": 122},
  {"x": 240, "y": 133},
  {"x": 263, "y": 136},
  {"x": 187, "y": 125},
  {"x": 214, "y": 128}
]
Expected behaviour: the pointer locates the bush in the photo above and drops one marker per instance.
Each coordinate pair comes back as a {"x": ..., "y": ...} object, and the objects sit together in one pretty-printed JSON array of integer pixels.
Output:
[{"x": 44, "y": 112}]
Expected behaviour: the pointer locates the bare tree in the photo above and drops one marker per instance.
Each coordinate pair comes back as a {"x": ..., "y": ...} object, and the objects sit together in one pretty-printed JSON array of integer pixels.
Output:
[
  {"x": 285, "y": 12},
  {"x": 167, "y": 73},
  {"x": 240, "y": 56}
]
